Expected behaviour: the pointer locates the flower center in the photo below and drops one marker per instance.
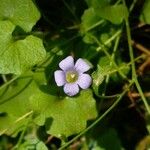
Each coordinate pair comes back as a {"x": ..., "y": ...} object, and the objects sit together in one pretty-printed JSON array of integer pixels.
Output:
[{"x": 71, "y": 76}]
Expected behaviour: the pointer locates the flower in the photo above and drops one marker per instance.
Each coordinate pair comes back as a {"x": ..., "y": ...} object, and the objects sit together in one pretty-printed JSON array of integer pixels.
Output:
[{"x": 72, "y": 76}]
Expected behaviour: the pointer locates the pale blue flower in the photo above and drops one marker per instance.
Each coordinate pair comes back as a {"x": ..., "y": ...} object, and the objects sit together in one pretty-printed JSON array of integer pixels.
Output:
[{"x": 72, "y": 76}]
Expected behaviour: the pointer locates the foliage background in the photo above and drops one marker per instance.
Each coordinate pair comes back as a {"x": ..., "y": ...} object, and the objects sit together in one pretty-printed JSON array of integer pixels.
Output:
[{"x": 113, "y": 114}]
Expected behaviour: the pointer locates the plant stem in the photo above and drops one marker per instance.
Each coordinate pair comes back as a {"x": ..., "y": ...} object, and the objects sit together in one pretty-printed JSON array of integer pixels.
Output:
[
  {"x": 109, "y": 40},
  {"x": 16, "y": 121},
  {"x": 108, "y": 76},
  {"x": 9, "y": 82},
  {"x": 99, "y": 119},
  {"x": 22, "y": 135},
  {"x": 102, "y": 46},
  {"x": 71, "y": 10},
  {"x": 95, "y": 25},
  {"x": 134, "y": 75},
  {"x": 4, "y": 78},
  {"x": 132, "y": 5}
]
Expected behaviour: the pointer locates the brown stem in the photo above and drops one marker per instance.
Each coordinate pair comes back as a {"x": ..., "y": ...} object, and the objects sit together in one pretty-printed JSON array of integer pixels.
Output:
[
  {"x": 141, "y": 47},
  {"x": 143, "y": 66},
  {"x": 49, "y": 139},
  {"x": 137, "y": 95}
]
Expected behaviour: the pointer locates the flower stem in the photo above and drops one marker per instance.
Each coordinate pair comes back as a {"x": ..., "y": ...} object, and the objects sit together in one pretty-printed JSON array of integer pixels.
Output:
[{"x": 134, "y": 75}]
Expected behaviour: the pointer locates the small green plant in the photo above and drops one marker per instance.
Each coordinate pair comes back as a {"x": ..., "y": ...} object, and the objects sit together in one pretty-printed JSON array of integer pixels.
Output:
[{"x": 41, "y": 107}]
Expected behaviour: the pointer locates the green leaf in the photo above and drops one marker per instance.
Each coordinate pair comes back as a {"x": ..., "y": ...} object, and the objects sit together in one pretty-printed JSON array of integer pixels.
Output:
[
  {"x": 14, "y": 108},
  {"x": 114, "y": 13},
  {"x": 31, "y": 142},
  {"x": 20, "y": 12},
  {"x": 14, "y": 104},
  {"x": 18, "y": 56},
  {"x": 145, "y": 15},
  {"x": 24, "y": 98},
  {"x": 89, "y": 20},
  {"x": 65, "y": 116},
  {"x": 104, "y": 68},
  {"x": 98, "y": 78},
  {"x": 41, "y": 146},
  {"x": 109, "y": 140}
]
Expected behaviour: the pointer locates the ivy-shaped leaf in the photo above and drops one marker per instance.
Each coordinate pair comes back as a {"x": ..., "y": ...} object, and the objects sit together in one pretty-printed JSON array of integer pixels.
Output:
[
  {"x": 69, "y": 114},
  {"x": 114, "y": 13},
  {"x": 65, "y": 115},
  {"x": 20, "y": 12},
  {"x": 18, "y": 56}
]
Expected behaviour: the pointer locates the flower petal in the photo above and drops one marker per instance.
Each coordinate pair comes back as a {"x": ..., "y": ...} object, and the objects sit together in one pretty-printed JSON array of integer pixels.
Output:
[
  {"x": 82, "y": 66},
  {"x": 59, "y": 77},
  {"x": 84, "y": 81},
  {"x": 67, "y": 63},
  {"x": 71, "y": 89}
]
